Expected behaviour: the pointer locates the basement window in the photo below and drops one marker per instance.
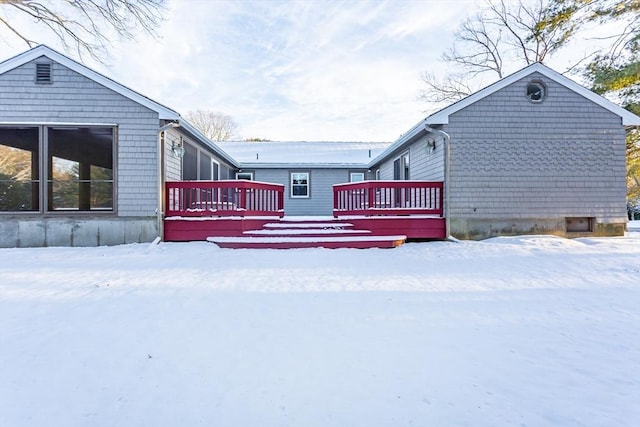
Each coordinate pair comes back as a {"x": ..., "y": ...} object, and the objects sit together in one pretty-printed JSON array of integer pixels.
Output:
[
  {"x": 579, "y": 224},
  {"x": 43, "y": 73}
]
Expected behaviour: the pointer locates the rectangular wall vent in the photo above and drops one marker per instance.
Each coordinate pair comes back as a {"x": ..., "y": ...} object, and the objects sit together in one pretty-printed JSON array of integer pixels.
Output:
[{"x": 43, "y": 73}]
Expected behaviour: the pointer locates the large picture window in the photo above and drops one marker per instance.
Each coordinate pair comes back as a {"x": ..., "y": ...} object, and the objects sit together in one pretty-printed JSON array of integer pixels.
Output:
[
  {"x": 300, "y": 184},
  {"x": 76, "y": 161},
  {"x": 80, "y": 166}
]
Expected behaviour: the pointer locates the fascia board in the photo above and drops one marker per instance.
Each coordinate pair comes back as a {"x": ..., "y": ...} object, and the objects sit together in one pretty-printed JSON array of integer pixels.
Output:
[
  {"x": 397, "y": 145},
  {"x": 442, "y": 117},
  {"x": 164, "y": 113}
]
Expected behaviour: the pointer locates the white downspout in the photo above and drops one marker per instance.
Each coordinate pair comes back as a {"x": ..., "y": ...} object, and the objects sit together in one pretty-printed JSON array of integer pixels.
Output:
[
  {"x": 447, "y": 158},
  {"x": 160, "y": 208}
]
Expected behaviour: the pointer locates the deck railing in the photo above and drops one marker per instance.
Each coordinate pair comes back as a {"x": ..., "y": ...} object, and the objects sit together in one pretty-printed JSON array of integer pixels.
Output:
[
  {"x": 224, "y": 198},
  {"x": 388, "y": 198}
]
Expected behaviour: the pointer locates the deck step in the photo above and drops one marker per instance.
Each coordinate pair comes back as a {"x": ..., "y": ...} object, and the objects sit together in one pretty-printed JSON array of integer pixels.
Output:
[
  {"x": 291, "y": 242},
  {"x": 308, "y": 232},
  {"x": 309, "y": 225}
]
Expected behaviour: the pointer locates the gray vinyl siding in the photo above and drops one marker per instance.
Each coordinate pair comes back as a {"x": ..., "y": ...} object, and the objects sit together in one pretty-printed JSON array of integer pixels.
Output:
[
  {"x": 511, "y": 158},
  {"x": 320, "y": 200},
  {"x": 73, "y": 98}
]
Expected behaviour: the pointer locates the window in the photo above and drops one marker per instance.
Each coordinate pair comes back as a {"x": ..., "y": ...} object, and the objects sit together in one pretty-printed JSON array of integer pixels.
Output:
[
  {"x": 19, "y": 169},
  {"x": 536, "y": 91},
  {"x": 215, "y": 170},
  {"x": 79, "y": 168},
  {"x": 356, "y": 176},
  {"x": 401, "y": 167},
  {"x": 579, "y": 224},
  {"x": 299, "y": 184},
  {"x": 245, "y": 175},
  {"x": 190, "y": 163}
]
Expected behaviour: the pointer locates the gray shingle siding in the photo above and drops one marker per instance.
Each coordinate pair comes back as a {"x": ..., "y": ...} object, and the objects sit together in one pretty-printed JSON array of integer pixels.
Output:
[
  {"x": 519, "y": 166},
  {"x": 514, "y": 159},
  {"x": 73, "y": 98},
  {"x": 424, "y": 166},
  {"x": 173, "y": 168}
]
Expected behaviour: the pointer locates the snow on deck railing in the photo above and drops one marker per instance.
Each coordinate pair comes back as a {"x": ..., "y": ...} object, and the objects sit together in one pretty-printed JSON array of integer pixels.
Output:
[
  {"x": 224, "y": 198},
  {"x": 388, "y": 198}
]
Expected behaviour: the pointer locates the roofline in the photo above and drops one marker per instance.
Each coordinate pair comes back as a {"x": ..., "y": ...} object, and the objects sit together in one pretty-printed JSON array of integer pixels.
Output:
[
  {"x": 404, "y": 138},
  {"x": 294, "y": 166},
  {"x": 207, "y": 142},
  {"x": 165, "y": 113},
  {"x": 442, "y": 117}
]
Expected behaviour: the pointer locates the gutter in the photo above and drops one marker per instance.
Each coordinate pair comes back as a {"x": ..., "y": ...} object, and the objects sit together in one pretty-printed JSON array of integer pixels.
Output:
[
  {"x": 160, "y": 208},
  {"x": 447, "y": 159}
]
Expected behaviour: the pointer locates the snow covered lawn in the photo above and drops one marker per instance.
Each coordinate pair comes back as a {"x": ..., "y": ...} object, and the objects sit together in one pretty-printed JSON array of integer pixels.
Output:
[{"x": 524, "y": 331}]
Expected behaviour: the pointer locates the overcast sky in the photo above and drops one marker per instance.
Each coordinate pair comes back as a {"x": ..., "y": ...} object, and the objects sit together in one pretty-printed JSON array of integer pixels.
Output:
[{"x": 292, "y": 70}]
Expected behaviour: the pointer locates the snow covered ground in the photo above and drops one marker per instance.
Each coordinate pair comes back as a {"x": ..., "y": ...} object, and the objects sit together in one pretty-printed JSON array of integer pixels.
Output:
[{"x": 522, "y": 331}]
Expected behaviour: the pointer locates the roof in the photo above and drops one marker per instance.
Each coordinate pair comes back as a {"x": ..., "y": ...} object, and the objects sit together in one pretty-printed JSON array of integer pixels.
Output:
[
  {"x": 281, "y": 154},
  {"x": 165, "y": 113},
  {"x": 441, "y": 117},
  {"x": 197, "y": 134}
]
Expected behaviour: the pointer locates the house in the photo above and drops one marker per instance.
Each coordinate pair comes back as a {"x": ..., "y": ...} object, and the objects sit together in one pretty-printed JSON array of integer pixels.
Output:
[
  {"x": 79, "y": 155},
  {"x": 532, "y": 153},
  {"x": 86, "y": 161}
]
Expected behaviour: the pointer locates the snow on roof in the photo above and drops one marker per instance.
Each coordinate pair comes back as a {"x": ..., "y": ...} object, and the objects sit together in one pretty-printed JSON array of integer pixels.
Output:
[{"x": 318, "y": 154}]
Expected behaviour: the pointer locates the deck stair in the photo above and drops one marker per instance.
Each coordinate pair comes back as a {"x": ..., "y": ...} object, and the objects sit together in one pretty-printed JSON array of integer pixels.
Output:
[{"x": 288, "y": 234}]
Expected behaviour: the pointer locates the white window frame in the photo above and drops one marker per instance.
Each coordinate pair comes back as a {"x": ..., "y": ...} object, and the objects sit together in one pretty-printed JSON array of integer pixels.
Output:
[
  {"x": 291, "y": 184},
  {"x": 352, "y": 174},
  {"x": 248, "y": 174},
  {"x": 404, "y": 163},
  {"x": 214, "y": 162}
]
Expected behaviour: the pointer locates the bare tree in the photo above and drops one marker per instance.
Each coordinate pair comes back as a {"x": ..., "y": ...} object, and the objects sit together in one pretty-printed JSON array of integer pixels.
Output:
[
  {"x": 449, "y": 89},
  {"x": 524, "y": 33},
  {"x": 215, "y": 126},
  {"x": 82, "y": 25}
]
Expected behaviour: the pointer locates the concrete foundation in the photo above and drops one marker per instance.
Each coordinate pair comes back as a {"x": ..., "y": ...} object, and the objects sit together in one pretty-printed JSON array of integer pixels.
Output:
[
  {"x": 478, "y": 229},
  {"x": 16, "y": 232}
]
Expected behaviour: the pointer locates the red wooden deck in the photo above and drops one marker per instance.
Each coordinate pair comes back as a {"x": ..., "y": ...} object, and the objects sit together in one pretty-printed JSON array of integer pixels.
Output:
[{"x": 249, "y": 214}]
